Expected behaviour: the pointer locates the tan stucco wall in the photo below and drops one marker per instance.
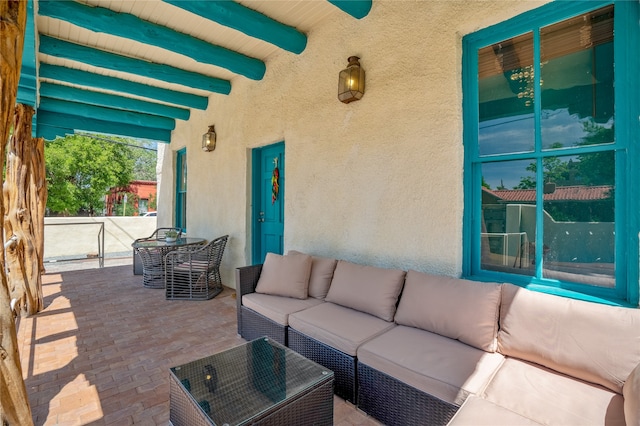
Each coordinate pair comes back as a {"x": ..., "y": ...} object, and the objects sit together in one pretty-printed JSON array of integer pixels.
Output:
[
  {"x": 377, "y": 181},
  {"x": 119, "y": 233}
]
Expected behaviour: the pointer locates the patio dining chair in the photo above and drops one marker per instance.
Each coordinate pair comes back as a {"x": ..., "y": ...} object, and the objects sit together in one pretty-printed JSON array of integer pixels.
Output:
[
  {"x": 193, "y": 273},
  {"x": 151, "y": 258},
  {"x": 161, "y": 233}
]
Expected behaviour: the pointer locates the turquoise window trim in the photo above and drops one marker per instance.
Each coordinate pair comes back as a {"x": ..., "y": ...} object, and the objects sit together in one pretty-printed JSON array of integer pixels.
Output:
[
  {"x": 255, "y": 200},
  {"x": 181, "y": 156},
  {"x": 626, "y": 147}
]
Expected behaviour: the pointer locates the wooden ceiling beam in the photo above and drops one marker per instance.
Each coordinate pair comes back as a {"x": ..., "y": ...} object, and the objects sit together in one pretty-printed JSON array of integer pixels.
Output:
[
  {"x": 106, "y": 114},
  {"x": 356, "y": 8},
  {"x": 89, "y": 79},
  {"x": 67, "y": 121},
  {"x": 102, "y": 59},
  {"x": 90, "y": 97},
  {"x": 247, "y": 21},
  {"x": 128, "y": 26}
]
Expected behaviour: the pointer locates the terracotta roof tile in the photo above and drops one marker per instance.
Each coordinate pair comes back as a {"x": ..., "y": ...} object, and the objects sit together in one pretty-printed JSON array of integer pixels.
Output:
[{"x": 561, "y": 193}]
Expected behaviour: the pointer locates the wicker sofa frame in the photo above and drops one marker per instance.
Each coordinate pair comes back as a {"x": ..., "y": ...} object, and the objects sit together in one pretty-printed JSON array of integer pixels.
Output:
[
  {"x": 396, "y": 403},
  {"x": 251, "y": 324},
  {"x": 377, "y": 394},
  {"x": 342, "y": 365}
]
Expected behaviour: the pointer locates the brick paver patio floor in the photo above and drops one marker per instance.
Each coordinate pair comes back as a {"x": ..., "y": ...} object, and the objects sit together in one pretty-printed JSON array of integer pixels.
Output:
[{"x": 99, "y": 353}]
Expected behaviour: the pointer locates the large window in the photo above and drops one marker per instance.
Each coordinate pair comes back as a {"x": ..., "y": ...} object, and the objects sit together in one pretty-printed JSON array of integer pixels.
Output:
[{"x": 551, "y": 135}]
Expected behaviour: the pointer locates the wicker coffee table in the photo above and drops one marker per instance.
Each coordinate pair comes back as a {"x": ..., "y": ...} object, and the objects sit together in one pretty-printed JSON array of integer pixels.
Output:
[{"x": 260, "y": 382}]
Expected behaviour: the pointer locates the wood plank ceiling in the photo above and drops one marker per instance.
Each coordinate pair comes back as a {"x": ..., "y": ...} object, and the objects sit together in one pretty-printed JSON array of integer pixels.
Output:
[{"x": 131, "y": 68}]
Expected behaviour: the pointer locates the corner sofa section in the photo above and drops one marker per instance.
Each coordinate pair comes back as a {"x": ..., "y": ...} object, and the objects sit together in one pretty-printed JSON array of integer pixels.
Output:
[
  {"x": 414, "y": 348},
  {"x": 442, "y": 350}
]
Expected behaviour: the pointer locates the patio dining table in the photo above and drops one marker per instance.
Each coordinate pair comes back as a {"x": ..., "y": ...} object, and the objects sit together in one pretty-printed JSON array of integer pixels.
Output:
[{"x": 152, "y": 253}]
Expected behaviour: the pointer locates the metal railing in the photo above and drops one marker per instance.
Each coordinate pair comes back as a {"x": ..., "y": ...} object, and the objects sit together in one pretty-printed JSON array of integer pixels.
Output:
[{"x": 100, "y": 240}]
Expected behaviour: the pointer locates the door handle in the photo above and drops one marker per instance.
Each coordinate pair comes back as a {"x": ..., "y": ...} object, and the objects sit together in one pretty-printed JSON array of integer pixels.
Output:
[{"x": 261, "y": 217}]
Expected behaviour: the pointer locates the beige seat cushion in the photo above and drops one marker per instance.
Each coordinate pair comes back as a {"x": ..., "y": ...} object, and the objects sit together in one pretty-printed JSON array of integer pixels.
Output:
[
  {"x": 285, "y": 276},
  {"x": 460, "y": 309},
  {"x": 437, "y": 365},
  {"x": 552, "y": 398},
  {"x": 322, "y": 269},
  {"x": 631, "y": 393},
  {"x": 342, "y": 328},
  {"x": 480, "y": 412},
  {"x": 277, "y": 308},
  {"x": 366, "y": 288},
  {"x": 594, "y": 342}
]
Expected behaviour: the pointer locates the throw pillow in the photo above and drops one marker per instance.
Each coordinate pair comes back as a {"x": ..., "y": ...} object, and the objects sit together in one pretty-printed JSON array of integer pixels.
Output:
[
  {"x": 285, "y": 276},
  {"x": 321, "y": 274}
]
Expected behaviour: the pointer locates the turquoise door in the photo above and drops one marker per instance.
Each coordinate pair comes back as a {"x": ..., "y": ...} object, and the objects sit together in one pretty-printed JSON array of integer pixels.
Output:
[{"x": 268, "y": 201}]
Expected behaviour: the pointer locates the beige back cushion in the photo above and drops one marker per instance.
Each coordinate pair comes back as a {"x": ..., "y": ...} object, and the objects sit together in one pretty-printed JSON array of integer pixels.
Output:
[
  {"x": 455, "y": 308},
  {"x": 366, "y": 289},
  {"x": 321, "y": 274},
  {"x": 590, "y": 341},
  {"x": 631, "y": 393},
  {"x": 285, "y": 276}
]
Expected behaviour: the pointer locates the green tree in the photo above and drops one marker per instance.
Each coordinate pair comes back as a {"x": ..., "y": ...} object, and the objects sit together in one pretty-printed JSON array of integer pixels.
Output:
[
  {"x": 80, "y": 170},
  {"x": 145, "y": 157}
]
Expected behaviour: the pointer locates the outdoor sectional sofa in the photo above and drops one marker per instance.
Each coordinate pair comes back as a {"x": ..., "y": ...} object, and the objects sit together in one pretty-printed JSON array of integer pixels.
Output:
[{"x": 414, "y": 348}]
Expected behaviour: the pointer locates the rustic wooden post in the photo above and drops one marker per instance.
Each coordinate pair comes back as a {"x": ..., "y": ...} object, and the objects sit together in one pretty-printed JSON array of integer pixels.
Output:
[
  {"x": 14, "y": 404},
  {"x": 38, "y": 200},
  {"x": 21, "y": 215}
]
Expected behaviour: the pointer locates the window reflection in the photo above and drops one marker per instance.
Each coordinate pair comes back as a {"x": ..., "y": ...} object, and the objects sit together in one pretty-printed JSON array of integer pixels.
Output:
[
  {"x": 505, "y": 92},
  {"x": 508, "y": 217},
  {"x": 577, "y": 81},
  {"x": 579, "y": 218}
]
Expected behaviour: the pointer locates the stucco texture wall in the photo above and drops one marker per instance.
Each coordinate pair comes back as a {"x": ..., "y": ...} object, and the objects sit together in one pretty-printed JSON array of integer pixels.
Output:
[{"x": 378, "y": 181}]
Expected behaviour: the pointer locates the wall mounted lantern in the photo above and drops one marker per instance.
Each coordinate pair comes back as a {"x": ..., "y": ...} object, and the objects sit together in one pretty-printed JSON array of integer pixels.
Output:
[
  {"x": 351, "y": 81},
  {"x": 209, "y": 139}
]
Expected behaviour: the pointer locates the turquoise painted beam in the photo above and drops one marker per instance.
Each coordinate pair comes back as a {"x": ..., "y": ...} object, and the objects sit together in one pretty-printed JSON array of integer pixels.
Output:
[
  {"x": 50, "y": 132},
  {"x": 247, "y": 21},
  {"x": 28, "y": 85},
  {"x": 112, "y": 61},
  {"x": 89, "y": 79},
  {"x": 67, "y": 121},
  {"x": 128, "y": 26},
  {"x": 356, "y": 8},
  {"x": 106, "y": 114},
  {"x": 67, "y": 93}
]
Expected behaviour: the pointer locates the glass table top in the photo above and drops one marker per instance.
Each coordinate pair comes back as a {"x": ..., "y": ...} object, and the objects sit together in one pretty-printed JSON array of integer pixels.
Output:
[
  {"x": 183, "y": 241},
  {"x": 238, "y": 385}
]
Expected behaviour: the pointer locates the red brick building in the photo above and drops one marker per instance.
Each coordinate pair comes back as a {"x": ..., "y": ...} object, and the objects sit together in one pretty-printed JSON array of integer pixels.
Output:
[{"x": 143, "y": 193}]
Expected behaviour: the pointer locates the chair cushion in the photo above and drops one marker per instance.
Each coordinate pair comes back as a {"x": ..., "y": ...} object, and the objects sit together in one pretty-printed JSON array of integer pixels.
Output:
[
  {"x": 277, "y": 308},
  {"x": 631, "y": 393},
  {"x": 321, "y": 274},
  {"x": 460, "y": 309},
  {"x": 366, "y": 288},
  {"x": 440, "y": 366},
  {"x": 195, "y": 265},
  {"x": 590, "y": 341},
  {"x": 341, "y": 328},
  {"x": 285, "y": 276},
  {"x": 552, "y": 398},
  {"x": 480, "y": 412}
]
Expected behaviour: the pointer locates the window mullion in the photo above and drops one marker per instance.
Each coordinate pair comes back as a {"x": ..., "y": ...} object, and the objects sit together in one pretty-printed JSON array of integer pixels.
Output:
[{"x": 537, "y": 112}]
